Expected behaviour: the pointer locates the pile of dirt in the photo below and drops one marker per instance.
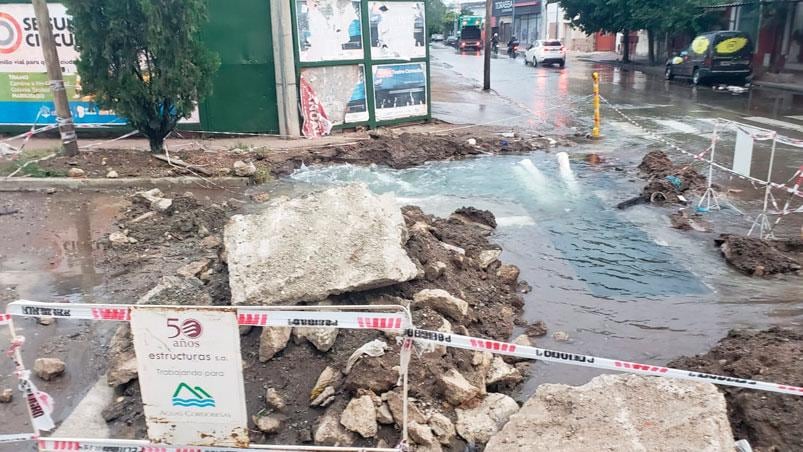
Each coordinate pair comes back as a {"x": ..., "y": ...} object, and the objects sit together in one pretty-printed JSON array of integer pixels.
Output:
[
  {"x": 758, "y": 257},
  {"x": 383, "y": 147},
  {"x": 455, "y": 255},
  {"x": 666, "y": 182},
  {"x": 770, "y": 422}
]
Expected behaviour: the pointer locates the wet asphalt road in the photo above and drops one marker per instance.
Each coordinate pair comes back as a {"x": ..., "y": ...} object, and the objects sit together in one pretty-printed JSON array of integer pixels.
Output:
[{"x": 551, "y": 99}]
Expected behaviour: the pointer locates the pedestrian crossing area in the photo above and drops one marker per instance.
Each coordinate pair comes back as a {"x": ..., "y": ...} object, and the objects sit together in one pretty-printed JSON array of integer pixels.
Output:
[{"x": 776, "y": 123}]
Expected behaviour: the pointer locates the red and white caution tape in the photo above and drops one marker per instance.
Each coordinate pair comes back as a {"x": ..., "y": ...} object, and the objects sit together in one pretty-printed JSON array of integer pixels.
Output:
[
  {"x": 246, "y": 315},
  {"x": 503, "y": 348},
  {"x": 121, "y": 445},
  {"x": 40, "y": 403},
  {"x": 17, "y": 438},
  {"x": 4, "y": 319}
]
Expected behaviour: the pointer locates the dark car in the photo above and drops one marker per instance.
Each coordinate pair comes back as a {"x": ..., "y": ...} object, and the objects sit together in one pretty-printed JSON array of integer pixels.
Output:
[
  {"x": 451, "y": 41},
  {"x": 719, "y": 56}
]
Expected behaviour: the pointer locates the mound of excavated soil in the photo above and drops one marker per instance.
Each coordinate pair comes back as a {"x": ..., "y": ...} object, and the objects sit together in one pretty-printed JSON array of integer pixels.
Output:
[
  {"x": 759, "y": 257},
  {"x": 383, "y": 148},
  {"x": 455, "y": 255},
  {"x": 770, "y": 422},
  {"x": 666, "y": 181}
]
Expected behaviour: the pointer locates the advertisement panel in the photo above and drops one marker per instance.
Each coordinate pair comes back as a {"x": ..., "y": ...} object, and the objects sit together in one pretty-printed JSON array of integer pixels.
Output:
[
  {"x": 400, "y": 90},
  {"x": 502, "y": 8},
  {"x": 397, "y": 30},
  {"x": 25, "y": 96},
  {"x": 191, "y": 375},
  {"x": 340, "y": 90},
  {"x": 329, "y": 30}
]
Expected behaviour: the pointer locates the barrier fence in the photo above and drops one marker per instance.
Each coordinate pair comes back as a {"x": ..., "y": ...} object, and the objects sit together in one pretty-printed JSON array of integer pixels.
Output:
[
  {"x": 381, "y": 317},
  {"x": 761, "y": 222}
]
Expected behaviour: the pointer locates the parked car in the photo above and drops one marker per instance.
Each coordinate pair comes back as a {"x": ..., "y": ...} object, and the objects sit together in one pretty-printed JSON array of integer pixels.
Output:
[
  {"x": 436, "y": 37},
  {"x": 548, "y": 51},
  {"x": 451, "y": 41},
  {"x": 720, "y": 56}
]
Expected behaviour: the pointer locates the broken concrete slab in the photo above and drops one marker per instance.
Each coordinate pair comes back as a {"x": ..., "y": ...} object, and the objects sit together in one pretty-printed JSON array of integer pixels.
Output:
[
  {"x": 646, "y": 414},
  {"x": 340, "y": 240}
]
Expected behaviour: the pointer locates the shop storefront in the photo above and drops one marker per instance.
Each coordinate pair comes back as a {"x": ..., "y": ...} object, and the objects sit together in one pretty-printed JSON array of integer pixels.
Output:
[{"x": 522, "y": 19}]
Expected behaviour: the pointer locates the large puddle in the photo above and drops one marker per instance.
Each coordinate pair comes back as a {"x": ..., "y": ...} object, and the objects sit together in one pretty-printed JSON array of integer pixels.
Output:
[{"x": 622, "y": 284}]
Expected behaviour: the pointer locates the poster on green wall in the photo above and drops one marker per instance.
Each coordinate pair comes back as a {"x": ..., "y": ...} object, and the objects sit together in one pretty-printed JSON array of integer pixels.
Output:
[
  {"x": 329, "y": 30},
  {"x": 340, "y": 91},
  {"x": 397, "y": 30},
  {"x": 25, "y": 96},
  {"x": 400, "y": 91}
]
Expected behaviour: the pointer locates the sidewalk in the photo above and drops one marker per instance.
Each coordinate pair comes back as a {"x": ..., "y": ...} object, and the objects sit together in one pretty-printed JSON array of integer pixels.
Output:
[{"x": 611, "y": 58}]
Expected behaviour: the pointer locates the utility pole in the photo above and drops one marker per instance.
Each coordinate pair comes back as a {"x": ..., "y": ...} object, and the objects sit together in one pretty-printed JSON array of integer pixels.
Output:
[
  {"x": 66, "y": 127},
  {"x": 486, "y": 85}
]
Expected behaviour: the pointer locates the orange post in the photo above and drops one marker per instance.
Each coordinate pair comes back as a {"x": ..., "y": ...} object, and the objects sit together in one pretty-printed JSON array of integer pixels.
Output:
[{"x": 595, "y": 132}]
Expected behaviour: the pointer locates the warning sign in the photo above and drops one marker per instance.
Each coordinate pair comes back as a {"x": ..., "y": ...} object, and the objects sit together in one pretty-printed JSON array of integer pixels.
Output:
[{"x": 190, "y": 373}]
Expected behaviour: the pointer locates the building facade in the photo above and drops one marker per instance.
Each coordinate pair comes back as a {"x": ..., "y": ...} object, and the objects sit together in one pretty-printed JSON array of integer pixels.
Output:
[
  {"x": 520, "y": 18},
  {"x": 776, "y": 27}
]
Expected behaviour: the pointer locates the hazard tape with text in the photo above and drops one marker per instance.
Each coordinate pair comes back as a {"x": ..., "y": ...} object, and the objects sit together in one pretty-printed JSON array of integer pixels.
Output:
[
  {"x": 121, "y": 445},
  {"x": 17, "y": 438},
  {"x": 503, "y": 348},
  {"x": 249, "y": 316}
]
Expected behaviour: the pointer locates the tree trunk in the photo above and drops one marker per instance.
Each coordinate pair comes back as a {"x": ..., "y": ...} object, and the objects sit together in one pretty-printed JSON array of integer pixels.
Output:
[
  {"x": 651, "y": 45},
  {"x": 156, "y": 141},
  {"x": 626, "y": 46}
]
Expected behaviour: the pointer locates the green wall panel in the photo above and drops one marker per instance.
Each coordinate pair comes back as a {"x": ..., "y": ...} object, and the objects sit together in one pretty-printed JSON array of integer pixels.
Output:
[{"x": 244, "y": 92}]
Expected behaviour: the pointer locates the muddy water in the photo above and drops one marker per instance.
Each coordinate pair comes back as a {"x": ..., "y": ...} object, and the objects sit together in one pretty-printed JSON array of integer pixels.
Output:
[
  {"x": 621, "y": 284},
  {"x": 51, "y": 251}
]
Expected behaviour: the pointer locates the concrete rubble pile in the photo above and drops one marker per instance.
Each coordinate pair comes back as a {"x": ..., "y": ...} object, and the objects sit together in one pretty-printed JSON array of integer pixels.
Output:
[{"x": 337, "y": 387}]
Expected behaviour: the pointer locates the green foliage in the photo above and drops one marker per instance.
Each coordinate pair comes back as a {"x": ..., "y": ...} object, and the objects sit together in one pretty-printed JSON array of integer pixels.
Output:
[
  {"x": 435, "y": 14},
  {"x": 144, "y": 59},
  {"x": 612, "y": 16}
]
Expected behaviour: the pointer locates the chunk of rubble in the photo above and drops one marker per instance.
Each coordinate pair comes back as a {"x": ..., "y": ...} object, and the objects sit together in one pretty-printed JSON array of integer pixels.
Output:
[
  {"x": 644, "y": 413},
  {"x": 421, "y": 434},
  {"x": 268, "y": 423},
  {"x": 272, "y": 341},
  {"x": 328, "y": 377},
  {"x": 122, "y": 360},
  {"x": 322, "y": 338},
  {"x": 48, "y": 368},
  {"x": 456, "y": 388},
  {"x": 442, "y": 427},
  {"x": 331, "y": 433},
  {"x": 477, "y": 424},
  {"x": 274, "y": 400},
  {"x": 340, "y": 240},
  {"x": 502, "y": 373},
  {"x": 360, "y": 416},
  {"x": 442, "y": 302}
]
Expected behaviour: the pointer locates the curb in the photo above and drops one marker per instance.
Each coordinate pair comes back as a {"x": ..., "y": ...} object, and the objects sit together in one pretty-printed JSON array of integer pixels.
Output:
[
  {"x": 20, "y": 184},
  {"x": 781, "y": 86}
]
